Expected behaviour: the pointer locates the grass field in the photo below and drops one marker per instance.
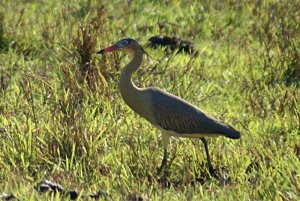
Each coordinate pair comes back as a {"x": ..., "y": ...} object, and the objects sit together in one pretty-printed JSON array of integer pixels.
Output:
[{"x": 62, "y": 116}]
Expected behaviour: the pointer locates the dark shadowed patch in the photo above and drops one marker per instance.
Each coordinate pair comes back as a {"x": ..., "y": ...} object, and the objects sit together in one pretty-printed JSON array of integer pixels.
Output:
[
  {"x": 7, "y": 197},
  {"x": 252, "y": 166},
  {"x": 53, "y": 187},
  {"x": 172, "y": 43}
]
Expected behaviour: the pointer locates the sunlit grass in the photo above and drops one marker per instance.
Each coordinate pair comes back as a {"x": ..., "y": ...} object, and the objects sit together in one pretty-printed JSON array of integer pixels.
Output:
[{"x": 70, "y": 125}]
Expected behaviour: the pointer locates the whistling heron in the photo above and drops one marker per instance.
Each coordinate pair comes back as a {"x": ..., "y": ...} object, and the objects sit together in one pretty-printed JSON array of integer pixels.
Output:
[{"x": 171, "y": 114}]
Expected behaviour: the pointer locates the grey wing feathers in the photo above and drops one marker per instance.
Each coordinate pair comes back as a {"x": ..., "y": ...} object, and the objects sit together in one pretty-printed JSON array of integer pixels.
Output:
[{"x": 173, "y": 113}]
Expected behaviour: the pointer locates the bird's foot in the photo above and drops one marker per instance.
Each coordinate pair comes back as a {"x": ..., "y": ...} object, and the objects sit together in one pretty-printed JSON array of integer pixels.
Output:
[{"x": 212, "y": 173}]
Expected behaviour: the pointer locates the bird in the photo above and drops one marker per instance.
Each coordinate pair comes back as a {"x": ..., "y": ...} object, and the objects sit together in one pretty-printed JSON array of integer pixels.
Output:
[{"x": 174, "y": 116}]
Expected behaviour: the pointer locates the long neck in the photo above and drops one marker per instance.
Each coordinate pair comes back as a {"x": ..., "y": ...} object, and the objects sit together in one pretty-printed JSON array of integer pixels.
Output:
[{"x": 127, "y": 88}]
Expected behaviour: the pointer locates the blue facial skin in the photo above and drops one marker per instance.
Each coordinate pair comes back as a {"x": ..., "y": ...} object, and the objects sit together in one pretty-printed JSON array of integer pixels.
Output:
[{"x": 122, "y": 43}]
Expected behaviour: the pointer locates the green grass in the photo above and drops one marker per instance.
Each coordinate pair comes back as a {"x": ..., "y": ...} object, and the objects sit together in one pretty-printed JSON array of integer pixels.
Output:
[{"x": 62, "y": 117}]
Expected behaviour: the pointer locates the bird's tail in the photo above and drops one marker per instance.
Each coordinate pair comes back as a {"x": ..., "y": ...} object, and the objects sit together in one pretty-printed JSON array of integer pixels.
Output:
[{"x": 232, "y": 133}]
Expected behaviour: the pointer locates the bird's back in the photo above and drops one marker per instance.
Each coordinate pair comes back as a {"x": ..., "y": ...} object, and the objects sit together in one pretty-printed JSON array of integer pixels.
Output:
[{"x": 172, "y": 113}]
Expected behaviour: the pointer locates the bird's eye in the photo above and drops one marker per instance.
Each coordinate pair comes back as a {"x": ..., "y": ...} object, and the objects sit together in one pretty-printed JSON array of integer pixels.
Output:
[{"x": 125, "y": 42}]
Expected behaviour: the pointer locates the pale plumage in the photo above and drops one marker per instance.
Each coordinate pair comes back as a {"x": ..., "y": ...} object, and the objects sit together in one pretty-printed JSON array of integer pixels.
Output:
[{"x": 171, "y": 114}]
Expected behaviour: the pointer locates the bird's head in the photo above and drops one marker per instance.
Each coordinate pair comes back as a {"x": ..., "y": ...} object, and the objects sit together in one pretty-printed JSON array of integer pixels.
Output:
[{"x": 128, "y": 45}]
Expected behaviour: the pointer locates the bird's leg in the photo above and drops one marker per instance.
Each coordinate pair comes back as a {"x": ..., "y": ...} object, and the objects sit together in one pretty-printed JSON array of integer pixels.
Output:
[
  {"x": 163, "y": 162},
  {"x": 210, "y": 167},
  {"x": 166, "y": 140}
]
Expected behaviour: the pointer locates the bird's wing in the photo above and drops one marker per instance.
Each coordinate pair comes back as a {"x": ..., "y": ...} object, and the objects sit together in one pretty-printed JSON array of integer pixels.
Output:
[{"x": 172, "y": 113}]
